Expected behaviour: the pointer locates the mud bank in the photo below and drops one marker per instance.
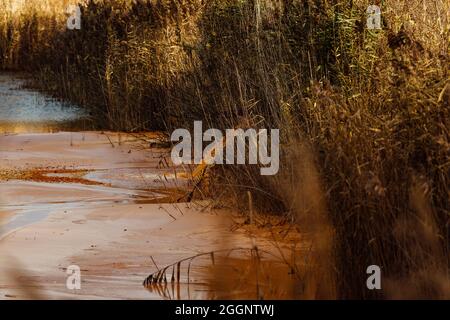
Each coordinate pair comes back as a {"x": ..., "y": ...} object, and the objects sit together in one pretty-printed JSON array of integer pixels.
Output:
[{"x": 101, "y": 208}]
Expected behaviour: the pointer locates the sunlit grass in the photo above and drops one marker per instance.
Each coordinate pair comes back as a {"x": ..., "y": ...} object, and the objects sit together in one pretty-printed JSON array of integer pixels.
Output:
[{"x": 371, "y": 109}]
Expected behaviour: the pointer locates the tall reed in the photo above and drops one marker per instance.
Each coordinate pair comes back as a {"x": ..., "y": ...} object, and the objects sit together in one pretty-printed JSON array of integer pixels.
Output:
[{"x": 370, "y": 107}]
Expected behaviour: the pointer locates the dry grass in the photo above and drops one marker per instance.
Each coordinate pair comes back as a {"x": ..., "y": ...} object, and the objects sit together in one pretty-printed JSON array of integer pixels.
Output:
[{"x": 373, "y": 107}]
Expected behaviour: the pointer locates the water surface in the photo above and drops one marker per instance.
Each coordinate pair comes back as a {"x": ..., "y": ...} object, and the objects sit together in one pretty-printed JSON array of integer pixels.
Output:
[{"x": 25, "y": 110}]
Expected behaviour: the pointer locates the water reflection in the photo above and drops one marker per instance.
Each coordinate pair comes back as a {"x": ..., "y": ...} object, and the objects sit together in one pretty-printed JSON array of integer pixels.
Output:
[
  {"x": 45, "y": 127},
  {"x": 25, "y": 110},
  {"x": 240, "y": 273}
]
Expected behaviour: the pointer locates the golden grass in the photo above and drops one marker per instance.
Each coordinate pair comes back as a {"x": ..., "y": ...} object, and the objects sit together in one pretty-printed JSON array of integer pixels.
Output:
[{"x": 373, "y": 107}]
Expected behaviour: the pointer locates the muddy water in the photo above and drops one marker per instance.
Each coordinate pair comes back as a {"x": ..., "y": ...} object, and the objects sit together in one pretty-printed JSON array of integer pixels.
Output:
[
  {"x": 28, "y": 111},
  {"x": 34, "y": 201},
  {"x": 110, "y": 178},
  {"x": 24, "y": 110},
  {"x": 59, "y": 179},
  {"x": 96, "y": 199}
]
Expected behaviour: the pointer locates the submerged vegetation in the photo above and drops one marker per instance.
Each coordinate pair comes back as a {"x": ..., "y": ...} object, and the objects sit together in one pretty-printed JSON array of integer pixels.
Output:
[{"x": 364, "y": 114}]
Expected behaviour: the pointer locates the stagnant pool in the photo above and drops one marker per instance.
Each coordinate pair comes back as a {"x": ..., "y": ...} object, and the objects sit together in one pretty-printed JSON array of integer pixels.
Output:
[{"x": 24, "y": 110}]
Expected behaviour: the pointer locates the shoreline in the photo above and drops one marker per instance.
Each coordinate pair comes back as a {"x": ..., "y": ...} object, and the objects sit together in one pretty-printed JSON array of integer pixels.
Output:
[{"x": 115, "y": 231}]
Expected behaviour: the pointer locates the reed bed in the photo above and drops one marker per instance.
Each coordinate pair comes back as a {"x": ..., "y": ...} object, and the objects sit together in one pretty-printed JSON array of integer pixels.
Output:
[{"x": 364, "y": 114}]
